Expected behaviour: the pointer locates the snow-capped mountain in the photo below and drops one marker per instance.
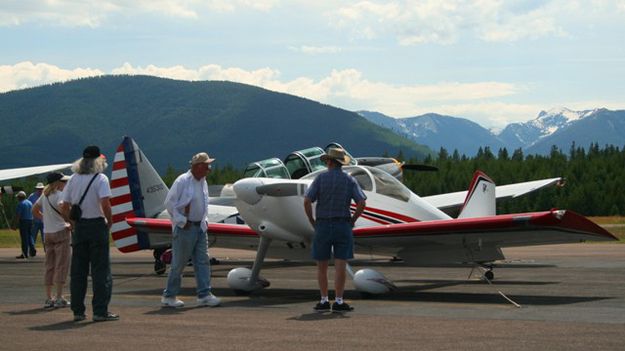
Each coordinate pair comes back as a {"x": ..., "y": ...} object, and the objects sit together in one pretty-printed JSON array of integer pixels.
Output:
[
  {"x": 601, "y": 126},
  {"x": 559, "y": 126},
  {"x": 436, "y": 131},
  {"x": 526, "y": 134}
]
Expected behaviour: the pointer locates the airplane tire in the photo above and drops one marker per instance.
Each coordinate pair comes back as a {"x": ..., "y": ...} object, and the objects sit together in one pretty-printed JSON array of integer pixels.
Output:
[
  {"x": 489, "y": 275},
  {"x": 159, "y": 267}
]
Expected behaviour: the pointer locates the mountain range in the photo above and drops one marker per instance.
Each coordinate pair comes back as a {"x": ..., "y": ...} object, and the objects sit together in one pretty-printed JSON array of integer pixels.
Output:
[
  {"x": 559, "y": 126},
  {"x": 172, "y": 120}
]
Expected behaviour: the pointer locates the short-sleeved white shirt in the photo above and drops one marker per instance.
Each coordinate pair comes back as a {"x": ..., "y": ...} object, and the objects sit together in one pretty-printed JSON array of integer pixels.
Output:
[
  {"x": 52, "y": 221},
  {"x": 97, "y": 191}
]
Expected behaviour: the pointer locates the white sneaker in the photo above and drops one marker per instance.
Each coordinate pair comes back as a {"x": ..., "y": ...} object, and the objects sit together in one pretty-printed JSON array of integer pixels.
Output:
[
  {"x": 171, "y": 302},
  {"x": 209, "y": 300},
  {"x": 61, "y": 302}
]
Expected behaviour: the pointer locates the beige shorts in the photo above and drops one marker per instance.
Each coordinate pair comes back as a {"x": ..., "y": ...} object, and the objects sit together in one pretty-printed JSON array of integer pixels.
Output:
[{"x": 58, "y": 253}]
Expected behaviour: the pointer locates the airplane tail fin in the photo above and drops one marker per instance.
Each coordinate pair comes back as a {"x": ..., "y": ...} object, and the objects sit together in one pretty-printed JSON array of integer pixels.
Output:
[
  {"x": 138, "y": 191},
  {"x": 481, "y": 197}
]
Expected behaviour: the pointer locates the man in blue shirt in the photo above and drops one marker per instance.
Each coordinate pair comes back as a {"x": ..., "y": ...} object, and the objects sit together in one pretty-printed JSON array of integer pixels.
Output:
[
  {"x": 333, "y": 191},
  {"x": 37, "y": 223},
  {"x": 24, "y": 221}
]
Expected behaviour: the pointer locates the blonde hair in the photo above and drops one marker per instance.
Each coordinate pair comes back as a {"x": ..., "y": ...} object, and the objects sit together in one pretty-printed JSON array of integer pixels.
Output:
[
  {"x": 52, "y": 188},
  {"x": 89, "y": 165}
]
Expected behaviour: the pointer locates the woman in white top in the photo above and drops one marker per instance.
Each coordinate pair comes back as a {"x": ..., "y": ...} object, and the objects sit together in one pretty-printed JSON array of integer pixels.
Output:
[{"x": 57, "y": 239}]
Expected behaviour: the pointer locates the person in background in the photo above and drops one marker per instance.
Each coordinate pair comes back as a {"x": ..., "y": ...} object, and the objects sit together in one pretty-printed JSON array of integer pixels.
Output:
[
  {"x": 57, "y": 239},
  {"x": 23, "y": 222},
  {"x": 90, "y": 239},
  {"x": 333, "y": 191},
  {"x": 37, "y": 223},
  {"x": 187, "y": 204}
]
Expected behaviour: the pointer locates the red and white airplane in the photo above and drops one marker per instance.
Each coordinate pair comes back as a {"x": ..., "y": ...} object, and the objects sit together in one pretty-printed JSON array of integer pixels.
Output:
[{"x": 268, "y": 216}]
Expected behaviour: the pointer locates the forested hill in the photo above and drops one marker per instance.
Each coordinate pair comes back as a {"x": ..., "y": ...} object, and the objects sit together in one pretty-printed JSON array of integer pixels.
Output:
[
  {"x": 171, "y": 120},
  {"x": 593, "y": 177}
]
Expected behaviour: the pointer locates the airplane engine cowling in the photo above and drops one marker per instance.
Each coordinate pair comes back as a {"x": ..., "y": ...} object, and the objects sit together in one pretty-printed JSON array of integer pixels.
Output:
[{"x": 372, "y": 282}]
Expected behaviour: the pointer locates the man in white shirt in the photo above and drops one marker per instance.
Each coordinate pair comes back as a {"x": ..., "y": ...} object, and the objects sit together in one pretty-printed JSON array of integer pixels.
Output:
[
  {"x": 90, "y": 239},
  {"x": 187, "y": 204}
]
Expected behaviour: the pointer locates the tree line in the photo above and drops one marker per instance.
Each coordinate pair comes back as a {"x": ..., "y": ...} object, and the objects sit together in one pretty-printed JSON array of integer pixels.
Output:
[{"x": 594, "y": 181}]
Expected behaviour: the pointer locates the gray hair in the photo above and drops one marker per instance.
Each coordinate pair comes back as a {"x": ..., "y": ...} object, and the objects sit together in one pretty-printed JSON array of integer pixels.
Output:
[{"x": 89, "y": 165}]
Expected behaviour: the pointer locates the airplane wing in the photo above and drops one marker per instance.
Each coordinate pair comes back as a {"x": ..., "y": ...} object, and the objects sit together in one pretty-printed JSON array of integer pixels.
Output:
[
  {"x": 13, "y": 173},
  {"x": 479, "y": 239},
  {"x": 450, "y": 200},
  {"x": 161, "y": 225}
]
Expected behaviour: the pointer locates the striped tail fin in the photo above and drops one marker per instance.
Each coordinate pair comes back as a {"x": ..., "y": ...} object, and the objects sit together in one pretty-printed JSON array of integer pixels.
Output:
[{"x": 138, "y": 191}]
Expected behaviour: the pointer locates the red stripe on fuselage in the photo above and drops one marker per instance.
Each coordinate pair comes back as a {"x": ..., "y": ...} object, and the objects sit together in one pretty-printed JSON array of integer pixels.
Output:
[
  {"x": 393, "y": 215},
  {"x": 374, "y": 219},
  {"x": 121, "y": 217}
]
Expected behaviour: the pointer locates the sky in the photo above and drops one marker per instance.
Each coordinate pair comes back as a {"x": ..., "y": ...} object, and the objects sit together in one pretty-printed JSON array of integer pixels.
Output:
[{"x": 493, "y": 62}]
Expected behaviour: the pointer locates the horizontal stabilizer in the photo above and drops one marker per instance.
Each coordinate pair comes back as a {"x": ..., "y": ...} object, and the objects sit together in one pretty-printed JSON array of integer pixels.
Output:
[
  {"x": 456, "y": 199},
  {"x": 162, "y": 225}
]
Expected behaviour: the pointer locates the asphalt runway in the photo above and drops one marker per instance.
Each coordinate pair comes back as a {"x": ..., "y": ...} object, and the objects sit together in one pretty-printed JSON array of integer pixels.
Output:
[{"x": 572, "y": 297}]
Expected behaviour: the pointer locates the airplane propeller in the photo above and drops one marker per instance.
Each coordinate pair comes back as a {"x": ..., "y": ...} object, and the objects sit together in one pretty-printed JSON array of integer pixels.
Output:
[{"x": 419, "y": 167}]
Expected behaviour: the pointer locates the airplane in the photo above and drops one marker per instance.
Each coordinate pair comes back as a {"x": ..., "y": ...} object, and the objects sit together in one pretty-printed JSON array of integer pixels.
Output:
[
  {"x": 269, "y": 217},
  {"x": 15, "y": 173},
  {"x": 138, "y": 191}
]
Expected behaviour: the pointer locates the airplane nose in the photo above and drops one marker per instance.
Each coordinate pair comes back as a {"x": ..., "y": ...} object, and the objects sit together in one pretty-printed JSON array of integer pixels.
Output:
[{"x": 245, "y": 189}]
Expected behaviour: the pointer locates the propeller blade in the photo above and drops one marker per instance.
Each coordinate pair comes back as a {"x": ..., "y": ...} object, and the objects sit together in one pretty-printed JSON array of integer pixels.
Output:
[
  {"x": 281, "y": 189},
  {"x": 418, "y": 167}
]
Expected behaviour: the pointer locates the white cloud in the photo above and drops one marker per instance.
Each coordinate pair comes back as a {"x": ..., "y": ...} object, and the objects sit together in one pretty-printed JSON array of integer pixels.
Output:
[
  {"x": 414, "y": 22},
  {"x": 72, "y": 13},
  {"x": 342, "y": 88},
  {"x": 348, "y": 89},
  {"x": 26, "y": 74}
]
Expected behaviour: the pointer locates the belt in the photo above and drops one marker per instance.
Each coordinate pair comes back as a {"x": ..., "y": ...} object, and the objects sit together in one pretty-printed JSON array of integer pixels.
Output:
[
  {"x": 335, "y": 219},
  {"x": 198, "y": 223}
]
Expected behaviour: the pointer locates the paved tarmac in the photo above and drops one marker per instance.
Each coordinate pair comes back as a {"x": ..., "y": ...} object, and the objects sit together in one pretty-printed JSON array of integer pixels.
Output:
[{"x": 572, "y": 297}]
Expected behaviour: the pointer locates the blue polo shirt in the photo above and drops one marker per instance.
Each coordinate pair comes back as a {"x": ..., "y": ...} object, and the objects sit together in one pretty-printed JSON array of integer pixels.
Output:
[
  {"x": 334, "y": 191},
  {"x": 24, "y": 210},
  {"x": 33, "y": 198}
]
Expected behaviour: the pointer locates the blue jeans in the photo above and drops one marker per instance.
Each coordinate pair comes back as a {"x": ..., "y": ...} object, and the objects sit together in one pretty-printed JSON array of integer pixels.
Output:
[
  {"x": 36, "y": 228},
  {"x": 25, "y": 225},
  {"x": 189, "y": 243}
]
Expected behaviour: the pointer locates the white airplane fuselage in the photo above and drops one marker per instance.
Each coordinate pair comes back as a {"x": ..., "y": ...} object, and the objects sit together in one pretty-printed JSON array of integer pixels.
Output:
[{"x": 283, "y": 217}]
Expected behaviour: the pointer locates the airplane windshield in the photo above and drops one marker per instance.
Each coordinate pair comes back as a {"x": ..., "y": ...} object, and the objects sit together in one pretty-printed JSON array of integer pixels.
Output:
[
  {"x": 271, "y": 168},
  {"x": 302, "y": 162},
  {"x": 385, "y": 184},
  {"x": 388, "y": 185},
  {"x": 362, "y": 177}
]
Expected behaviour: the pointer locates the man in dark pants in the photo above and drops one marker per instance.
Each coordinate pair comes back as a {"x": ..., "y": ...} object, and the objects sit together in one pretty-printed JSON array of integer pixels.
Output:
[
  {"x": 24, "y": 222},
  {"x": 333, "y": 191},
  {"x": 90, "y": 238}
]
